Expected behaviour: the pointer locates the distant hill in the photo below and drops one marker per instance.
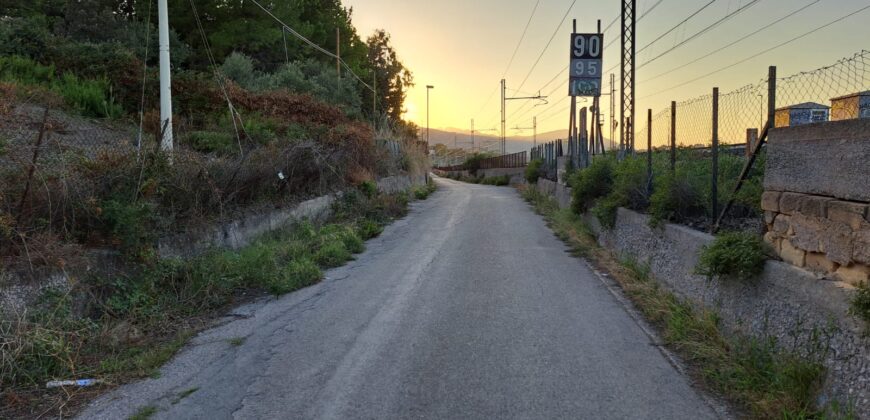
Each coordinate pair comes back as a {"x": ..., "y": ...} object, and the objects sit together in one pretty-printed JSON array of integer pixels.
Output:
[{"x": 462, "y": 139}]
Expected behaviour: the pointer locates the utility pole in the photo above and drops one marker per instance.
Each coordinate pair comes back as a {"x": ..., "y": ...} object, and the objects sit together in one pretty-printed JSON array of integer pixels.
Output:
[
  {"x": 534, "y": 131},
  {"x": 612, "y": 108},
  {"x": 472, "y": 134},
  {"x": 629, "y": 26},
  {"x": 428, "y": 88},
  {"x": 503, "y": 104},
  {"x": 166, "y": 142}
]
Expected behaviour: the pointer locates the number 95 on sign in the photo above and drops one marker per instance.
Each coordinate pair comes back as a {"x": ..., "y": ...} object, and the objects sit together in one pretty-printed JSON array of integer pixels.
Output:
[
  {"x": 584, "y": 87},
  {"x": 584, "y": 67}
]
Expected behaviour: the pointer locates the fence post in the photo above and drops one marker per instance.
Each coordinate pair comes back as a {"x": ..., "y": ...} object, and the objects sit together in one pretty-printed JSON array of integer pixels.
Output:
[
  {"x": 714, "y": 191},
  {"x": 32, "y": 169},
  {"x": 771, "y": 97},
  {"x": 673, "y": 136},
  {"x": 649, "y": 152}
]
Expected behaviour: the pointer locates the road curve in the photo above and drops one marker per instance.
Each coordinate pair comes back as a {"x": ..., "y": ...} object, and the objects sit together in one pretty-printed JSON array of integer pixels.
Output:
[{"x": 469, "y": 307}]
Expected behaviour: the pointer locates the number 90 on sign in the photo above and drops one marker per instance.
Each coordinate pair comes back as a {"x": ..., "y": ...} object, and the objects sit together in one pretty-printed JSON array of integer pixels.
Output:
[
  {"x": 587, "y": 45},
  {"x": 584, "y": 87},
  {"x": 581, "y": 67}
]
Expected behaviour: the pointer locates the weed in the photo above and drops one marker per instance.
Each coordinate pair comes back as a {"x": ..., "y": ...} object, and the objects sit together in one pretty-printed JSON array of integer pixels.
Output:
[
  {"x": 144, "y": 413},
  {"x": 860, "y": 304},
  {"x": 184, "y": 394},
  {"x": 368, "y": 229},
  {"x": 236, "y": 341},
  {"x": 369, "y": 188},
  {"x": 737, "y": 255},
  {"x": 533, "y": 171},
  {"x": 332, "y": 254},
  {"x": 422, "y": 193},
  {"x": 221, "y": 143}
]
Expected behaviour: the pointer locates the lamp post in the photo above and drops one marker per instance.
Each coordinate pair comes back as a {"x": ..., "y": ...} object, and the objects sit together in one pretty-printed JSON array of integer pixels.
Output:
[{"x": 428, "y": 88}]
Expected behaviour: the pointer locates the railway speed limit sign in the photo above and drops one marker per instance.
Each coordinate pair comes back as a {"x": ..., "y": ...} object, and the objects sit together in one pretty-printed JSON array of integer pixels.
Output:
[{"x": 585, "y": 69}]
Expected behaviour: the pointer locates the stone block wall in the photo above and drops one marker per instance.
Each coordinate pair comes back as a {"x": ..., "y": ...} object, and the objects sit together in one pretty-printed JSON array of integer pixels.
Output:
[
  {"x": 821, "y": 234},
  {"x": 817, "y": 198}
]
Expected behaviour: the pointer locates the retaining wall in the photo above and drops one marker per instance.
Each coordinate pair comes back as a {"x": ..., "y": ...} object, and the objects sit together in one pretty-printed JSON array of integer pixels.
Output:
[
  {"x": 785, "y": 302},
  {"x": 817, "y": 198},
  {"x": 16, "y": 292}
]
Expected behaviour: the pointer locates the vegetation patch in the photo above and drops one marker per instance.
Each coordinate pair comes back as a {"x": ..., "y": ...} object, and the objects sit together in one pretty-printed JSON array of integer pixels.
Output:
[
  {"x": 499, "y": 181},
  {"x": 860, "y": 305},
  {"x": 754, "y": 373},
  {"x": 135, "y": 323},
  {"x": 733, "y": 255},
  {"x": 423, "y": 192},
  {"x": 533, "y": 171}
]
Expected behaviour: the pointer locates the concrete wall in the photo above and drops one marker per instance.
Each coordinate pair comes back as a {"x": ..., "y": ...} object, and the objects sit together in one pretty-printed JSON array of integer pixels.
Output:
[
  {"x": 560, "y": 192},
  {"x": 829, "y": 159},
  {"x": 784, "y": 302}
]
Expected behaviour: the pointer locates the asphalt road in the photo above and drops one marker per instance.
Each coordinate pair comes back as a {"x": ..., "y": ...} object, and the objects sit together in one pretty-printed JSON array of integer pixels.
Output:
[{"x": 468, "y": 308}]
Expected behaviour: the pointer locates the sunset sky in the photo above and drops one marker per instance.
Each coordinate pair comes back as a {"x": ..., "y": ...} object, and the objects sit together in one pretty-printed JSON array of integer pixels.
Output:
[{"x": 463, "y": 48}]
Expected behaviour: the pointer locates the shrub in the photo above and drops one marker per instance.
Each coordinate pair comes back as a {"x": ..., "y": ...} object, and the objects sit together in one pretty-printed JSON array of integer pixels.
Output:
[
  {"x": 499, "y": 181},
  {"x": 605, "y": 210},
  {"x": 91, "y": 98},
  {"x": 860, "y": 305},
  {"x": 737, "y": 255},
  {"x": 591, "y": 183},
  {"x": 368, "y": 229},
  {"x": 533, "y": 171},
  {"x": 345, "y": 234},
  {"x": 222, "y": 143},
  {"x": 25, "y": 71},
  {"x": 332, "y": 254},
  {"x": 631, "y": 183},
  {"x": 369, "y": 188},
  {"x": 674, "y": 199},
  {"x": 296, "y": 275}
]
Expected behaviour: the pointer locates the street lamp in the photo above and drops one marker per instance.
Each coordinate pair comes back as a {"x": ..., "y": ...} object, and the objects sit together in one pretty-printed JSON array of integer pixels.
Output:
[{"x": 428, "y": 88}]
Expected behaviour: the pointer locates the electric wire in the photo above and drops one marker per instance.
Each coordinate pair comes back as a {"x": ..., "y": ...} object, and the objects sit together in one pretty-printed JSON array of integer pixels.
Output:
[
  {"x": 731, "y": 44},
  {"x": 782, "y": 44}
]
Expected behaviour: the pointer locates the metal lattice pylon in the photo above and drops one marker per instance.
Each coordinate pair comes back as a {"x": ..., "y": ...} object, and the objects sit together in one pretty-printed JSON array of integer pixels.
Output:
[{"x": 626, "y": 139}]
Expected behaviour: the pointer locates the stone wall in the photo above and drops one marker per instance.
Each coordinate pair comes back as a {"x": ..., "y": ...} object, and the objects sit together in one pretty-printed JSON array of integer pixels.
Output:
[
  {"x": 817, "y": 198},
  {"x": 822, "y": 234}
]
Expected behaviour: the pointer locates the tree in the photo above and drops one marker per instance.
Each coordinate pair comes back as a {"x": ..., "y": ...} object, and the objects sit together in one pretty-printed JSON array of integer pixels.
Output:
[{"x": 393, "y": 79}]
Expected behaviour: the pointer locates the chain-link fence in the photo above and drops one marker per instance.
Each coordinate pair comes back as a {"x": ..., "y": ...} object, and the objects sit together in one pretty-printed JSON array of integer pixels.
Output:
[{"x": 830, "y": 93}]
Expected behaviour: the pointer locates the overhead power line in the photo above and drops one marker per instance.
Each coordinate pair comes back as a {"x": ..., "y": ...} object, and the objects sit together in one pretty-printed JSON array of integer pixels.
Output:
[
  {"x": 525, "y": 30},
  {"x": 702, "y": 31},
  {"x": 804, "y": 35},
  {"x": 546, "y": 47},
  {"x": 677, "y": 26},
  {"x": 313, "y": 45},
  {"x": 731, "y": 44},
  {"x": 511, "y": 61}
]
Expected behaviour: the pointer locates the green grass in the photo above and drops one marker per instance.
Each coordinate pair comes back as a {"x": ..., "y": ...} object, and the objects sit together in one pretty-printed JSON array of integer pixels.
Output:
[
  {"x": 733, "y": 255},
  {"x": 533, "y": 171},
  {"x": 184, "y": 394},
  {"x": 676, "y": 196},
  {"x": 754, "y": 373},
  {"x": 91, "y": 98},
  {"x": 156, "y": 300},
  {"x": 423, "y": 192},
  {"x": 236, "y": 341},
  {"x": 860, "y": 304},
  {"x": 144, "y": 413},
  {"x": 499, "y": 181}
]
